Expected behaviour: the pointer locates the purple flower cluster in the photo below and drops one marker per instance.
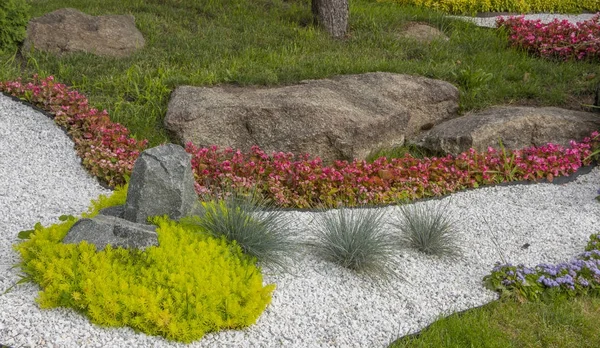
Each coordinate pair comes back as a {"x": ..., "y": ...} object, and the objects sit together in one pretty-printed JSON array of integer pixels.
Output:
[{"x": 580, "y": 275}]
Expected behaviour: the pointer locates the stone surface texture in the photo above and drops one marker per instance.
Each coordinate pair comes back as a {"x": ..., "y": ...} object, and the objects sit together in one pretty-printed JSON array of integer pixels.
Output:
[
  {"x": 517, "y": 127},
  {"x": 339, "y": 118},
  {"x": 68, "y": 30},
  {"x": 103, "y": 230},
  {"x": 116, "y": 211},
  {"x": 162, "y": 183},
  {"x": 422, "y": 33}
]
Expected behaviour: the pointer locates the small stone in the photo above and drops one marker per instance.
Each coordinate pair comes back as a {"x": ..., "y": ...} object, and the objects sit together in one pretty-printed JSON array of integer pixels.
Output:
[{"x": 104, "y": 230}]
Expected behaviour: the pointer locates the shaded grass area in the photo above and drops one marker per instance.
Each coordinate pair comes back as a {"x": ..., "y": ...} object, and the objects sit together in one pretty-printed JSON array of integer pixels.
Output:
[
  {"x": 506, "y": 323},
  {"x": 273, "y": 42}
]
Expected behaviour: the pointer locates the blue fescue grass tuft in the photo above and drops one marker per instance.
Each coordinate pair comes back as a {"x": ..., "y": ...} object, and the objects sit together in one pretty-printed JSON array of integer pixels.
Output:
[
  {"x": 261, "y": 231},
  {"x": 430, "y": 231},
  {"x": 356, "y": 239}
]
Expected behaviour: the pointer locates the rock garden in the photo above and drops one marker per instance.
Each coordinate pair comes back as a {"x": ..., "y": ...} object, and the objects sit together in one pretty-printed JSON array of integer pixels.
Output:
[{"x": 412, "y": 180}]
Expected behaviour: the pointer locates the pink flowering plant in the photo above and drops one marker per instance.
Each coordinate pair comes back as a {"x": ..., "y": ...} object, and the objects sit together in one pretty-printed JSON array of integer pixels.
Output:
[
  {"x": 557, "y": 39},
  {"x": 105, "y": 147},
  {"x": 300, "y": 181}
]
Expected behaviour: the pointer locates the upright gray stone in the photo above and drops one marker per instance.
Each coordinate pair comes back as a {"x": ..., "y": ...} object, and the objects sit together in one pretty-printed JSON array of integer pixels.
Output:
[
  {"x": 103, "y": 230},
  {"x": 162, "y": 182}
]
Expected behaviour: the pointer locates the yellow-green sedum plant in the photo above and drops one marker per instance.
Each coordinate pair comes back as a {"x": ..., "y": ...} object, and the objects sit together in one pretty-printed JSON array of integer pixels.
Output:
[
  {"x": 189, "y": 285},
  {"x": 471, "y": 7}
]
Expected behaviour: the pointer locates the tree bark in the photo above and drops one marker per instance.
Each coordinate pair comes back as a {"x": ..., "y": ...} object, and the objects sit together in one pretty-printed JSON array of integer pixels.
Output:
[{"x": 332, "y": 15}]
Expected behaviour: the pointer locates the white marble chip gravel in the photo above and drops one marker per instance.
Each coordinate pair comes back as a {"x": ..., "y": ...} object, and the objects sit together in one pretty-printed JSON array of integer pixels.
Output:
[{"x": 490, "y": 22}]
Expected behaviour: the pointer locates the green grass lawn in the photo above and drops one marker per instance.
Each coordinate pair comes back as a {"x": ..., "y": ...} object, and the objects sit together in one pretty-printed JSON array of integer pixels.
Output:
[
  {"x": 272, "y": 42},
  {"x": 507, "y": 323}
]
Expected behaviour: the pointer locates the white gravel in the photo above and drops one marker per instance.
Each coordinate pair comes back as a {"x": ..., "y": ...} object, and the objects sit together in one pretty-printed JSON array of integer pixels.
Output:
[
  {"x": 317, "y": 304},
  {"x": 490, "y": 22}
]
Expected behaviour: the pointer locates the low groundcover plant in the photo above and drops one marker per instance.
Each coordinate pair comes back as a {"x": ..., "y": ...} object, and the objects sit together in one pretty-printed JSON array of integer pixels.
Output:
[
  {"x": 189, "y": 285},
  {"x": 472, "y": 7},
  {"x": 106, "y": 148},
  {"x": 557, "y": 39},
  {"x": 580, "y": 276}
]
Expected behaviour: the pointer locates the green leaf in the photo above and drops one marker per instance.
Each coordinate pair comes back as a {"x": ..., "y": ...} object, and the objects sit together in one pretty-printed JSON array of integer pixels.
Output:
[
  {"x": 25, "y": 234},
  {"x": 66, "y": 217}
]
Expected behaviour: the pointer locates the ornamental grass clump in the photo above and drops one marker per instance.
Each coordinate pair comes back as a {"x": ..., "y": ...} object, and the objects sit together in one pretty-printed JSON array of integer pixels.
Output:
[
  {"x": 247, "y": 220},
  {"x": 427, "y": 230},
  {"x": 356, "y": 239},
  {"x": 580, "y": 276}
]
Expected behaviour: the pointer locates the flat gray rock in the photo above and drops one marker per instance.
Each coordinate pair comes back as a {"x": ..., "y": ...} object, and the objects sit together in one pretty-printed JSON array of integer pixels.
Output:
[
  {"x": 517, "y": 127},
  {"x": 103, "y": 230}
]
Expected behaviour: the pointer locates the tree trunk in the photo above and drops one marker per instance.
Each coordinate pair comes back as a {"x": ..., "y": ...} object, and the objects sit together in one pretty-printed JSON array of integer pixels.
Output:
[{"x": 332, "y": 15}]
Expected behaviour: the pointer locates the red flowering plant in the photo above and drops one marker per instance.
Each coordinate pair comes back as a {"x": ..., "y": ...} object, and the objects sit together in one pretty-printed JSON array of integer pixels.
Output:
[
  {"x": 105, "y": 147},
  {"x": 300, "y": 181},
  {"x": 557, "y": 39}
]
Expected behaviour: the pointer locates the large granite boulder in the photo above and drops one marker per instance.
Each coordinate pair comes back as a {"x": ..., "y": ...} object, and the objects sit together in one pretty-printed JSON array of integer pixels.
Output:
[
  {"x": 517, "y": 127},
  {"x": 103, "y": 230},
  {"x": 344, "y": 117},
  {"x": 69, "y": 30},
  {"x": 162, "y": 182}
]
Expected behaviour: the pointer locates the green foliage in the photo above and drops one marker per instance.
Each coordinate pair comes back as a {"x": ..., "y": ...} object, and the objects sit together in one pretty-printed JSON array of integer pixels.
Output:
[
  {"x": 429, "y": 231},
  {"x": 471, "y": 82},
  {"x": 356, "y": 239},
  {"x": 189, "y": 285},
  {"x": 507, "y": 323},
  {"x": 117, "y": 197},
  {"x": 593, "y": 243},
  {"x": 244, "y": 219},
  {"x": 203, "y": 43},
  {"x": 401, "y": 151},
  {"x": 474, "y": 6},
  {"x": 14, "y": 16}
]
